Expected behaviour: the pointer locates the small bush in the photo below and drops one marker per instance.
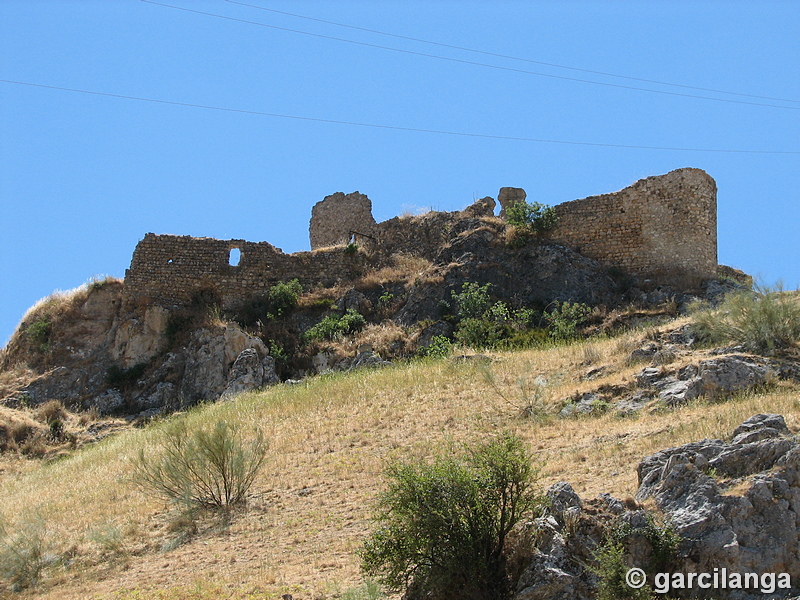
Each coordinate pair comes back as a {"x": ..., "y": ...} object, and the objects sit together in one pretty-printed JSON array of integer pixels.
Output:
[
  {"x": 564, "y": 320},
  {"x": 369, "y": 590},
  {"x": 208, "y": 467},
  {"x": 611, "y": 569},
  {"x": 532, "y": 217},
  {"x": 283, "y": 297},
  {"x": 439, "y": 347},
  {"x": 472, "y": 301},
  {"x": 334, "y": 327},
  {"x": 38, "y": 334},
  {"x": 50, "y": 411},
  {"x": 763, "y": 320},
  {"x": 443, "y": 524},
  {"x": 23, "y": 554},
  {"x": 479, "y": 333},
  {"x": 121, "y": 378},
  {"x": 610, "y": 564}
]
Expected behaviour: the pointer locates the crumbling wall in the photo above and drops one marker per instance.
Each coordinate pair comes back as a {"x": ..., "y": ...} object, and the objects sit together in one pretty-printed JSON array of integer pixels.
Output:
[
  {"x": 337, "y": 217},
  {"x": 664, "y": 227},
  {"x": 179, "y": 270}
]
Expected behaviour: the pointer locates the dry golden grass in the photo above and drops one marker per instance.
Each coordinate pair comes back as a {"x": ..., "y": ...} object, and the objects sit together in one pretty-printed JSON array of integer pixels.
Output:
[
  {"x": 330, "y": 441},
  {"x": 405, "y": 268}
]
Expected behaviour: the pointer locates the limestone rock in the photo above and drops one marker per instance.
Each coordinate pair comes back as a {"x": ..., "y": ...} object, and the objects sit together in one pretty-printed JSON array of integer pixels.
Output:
[
  {"x": 138, "y": 340},
  {"x": 755, "y": 532},
  {"x": 209, "y": 355},
  {"x": 108, "y": 402},
  {"x": 250, "y": 372}
]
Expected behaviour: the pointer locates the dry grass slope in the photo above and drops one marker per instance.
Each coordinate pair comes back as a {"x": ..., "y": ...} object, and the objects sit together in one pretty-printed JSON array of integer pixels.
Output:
[{"x": 330, "y": 439}]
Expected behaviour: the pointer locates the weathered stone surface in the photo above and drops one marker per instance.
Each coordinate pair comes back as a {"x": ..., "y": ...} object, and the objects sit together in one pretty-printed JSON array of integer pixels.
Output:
[
  {"x": 339, "y": 216},
  {"x": 208, "y": 359},
  {"x": 108, "y": 402},
  {"x": 139, "y": 340},
  {"x": 729, "y": 374},
  {"x": 249, "y": 372},
  {"x": 562, "y": 497},
  {"x": 508, "y": 196},
  {"x": 587, "y": 404},
  {"x": 480, "y": 208},
  {"x": 756, "y": 532},
  {"x": 715, "y": 377}
]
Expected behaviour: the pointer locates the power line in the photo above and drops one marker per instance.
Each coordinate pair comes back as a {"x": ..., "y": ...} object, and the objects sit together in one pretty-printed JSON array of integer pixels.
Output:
[
  {"x": 387, "y": 127},
  {"x": 509, "y": 57},
  {"x": 469, "y": 62}
]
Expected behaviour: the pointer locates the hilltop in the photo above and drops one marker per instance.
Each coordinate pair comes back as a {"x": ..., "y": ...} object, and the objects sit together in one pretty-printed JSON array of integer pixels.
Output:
[{"x": 587, "y": 338}]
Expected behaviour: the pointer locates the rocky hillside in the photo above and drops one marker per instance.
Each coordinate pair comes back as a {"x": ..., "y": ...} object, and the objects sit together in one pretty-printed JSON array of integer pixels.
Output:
[
  {"x": 665, "y": 441},
  {"x": 90, "y": 351}
]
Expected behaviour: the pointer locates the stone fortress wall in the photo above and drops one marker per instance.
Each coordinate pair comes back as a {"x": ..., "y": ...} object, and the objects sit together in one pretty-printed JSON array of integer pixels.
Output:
[{"x": 661, "y": 227}]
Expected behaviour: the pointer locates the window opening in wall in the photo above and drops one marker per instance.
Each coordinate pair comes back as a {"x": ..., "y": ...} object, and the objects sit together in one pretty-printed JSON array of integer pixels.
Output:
[
  {"x": 169, "y": 262},
  {"x": 234, "y": 257}
]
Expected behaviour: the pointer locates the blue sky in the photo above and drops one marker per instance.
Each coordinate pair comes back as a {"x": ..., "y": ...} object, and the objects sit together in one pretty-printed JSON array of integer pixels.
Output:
[{"x": 84, "y": 176}]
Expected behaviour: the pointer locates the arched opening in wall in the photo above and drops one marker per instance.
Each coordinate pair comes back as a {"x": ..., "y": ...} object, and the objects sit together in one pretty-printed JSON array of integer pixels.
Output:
[{"x": 234, "y": 257}]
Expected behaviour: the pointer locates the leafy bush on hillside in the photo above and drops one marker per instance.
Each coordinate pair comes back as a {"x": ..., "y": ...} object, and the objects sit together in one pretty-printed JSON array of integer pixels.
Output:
[
  {"x": 38, "y": 334},
  {"x": 533, "y": 216},
  {"x": 443, "y": 524},
  {"x": 565, "y": 318},
  {"x": 334, "y": 327},
  {"x": 472, "y": 301},
  {"x": 206, "y": 467},
  {"x": 283, "y": 297},
  {"x": 486, "y": 324},
  {"x": 610, "y": 565},
  {"x": 762, "y": 320}
]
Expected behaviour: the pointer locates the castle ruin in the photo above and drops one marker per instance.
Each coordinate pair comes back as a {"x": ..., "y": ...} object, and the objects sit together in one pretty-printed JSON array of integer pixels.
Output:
[{"x": 662, "y": 228}]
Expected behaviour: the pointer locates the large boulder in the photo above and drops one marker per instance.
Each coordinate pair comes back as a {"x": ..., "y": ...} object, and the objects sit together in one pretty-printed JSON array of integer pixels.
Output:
[
  {"x": 757, "y": 531},
  {"x": 209, "y": 356}
]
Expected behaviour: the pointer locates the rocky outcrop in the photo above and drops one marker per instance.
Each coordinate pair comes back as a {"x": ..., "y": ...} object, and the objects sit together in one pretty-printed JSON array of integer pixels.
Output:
[
  {"x": 250, "y": 372},
  {"x": 757, "y": 531},
  {"x": 138, "y": 340}
]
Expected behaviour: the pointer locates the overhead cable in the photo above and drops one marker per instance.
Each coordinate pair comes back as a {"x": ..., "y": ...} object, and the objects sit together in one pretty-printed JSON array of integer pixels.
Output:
[
  {"x": 388, "y": 127},
  {"x": 507, "y": 56},
  {"x": 467, "y": 62}
]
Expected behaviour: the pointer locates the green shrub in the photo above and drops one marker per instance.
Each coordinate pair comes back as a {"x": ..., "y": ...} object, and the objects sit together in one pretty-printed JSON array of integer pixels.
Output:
[
  {"x": 472, "y": 301},
  {"x": 762, "y": 320},
  {"x": 532, "y": 217},
  {"x": 443, "y": 524},
  {"x": 610, "y": 565},
  {"x": 38, "y": 334},
  {"x": 479, "y": 333},
  {"x": 283, "y": 297},
  {"x": 334, "y": 327},
  {"x": 439, "y": 347},
  {"x": 611, "y": 569},
  {"x": 564, "y": 320},
  {"x": 351, "y": 248},
  {"x": 369, "y": 590},
  {"x": 207, "y": 467}
]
